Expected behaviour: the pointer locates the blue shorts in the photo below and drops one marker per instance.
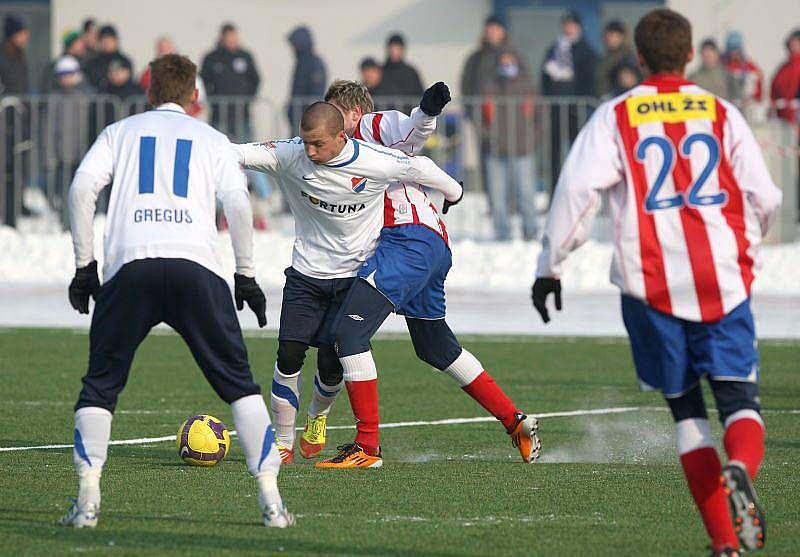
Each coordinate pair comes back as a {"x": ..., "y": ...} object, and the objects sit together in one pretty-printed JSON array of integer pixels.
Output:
[
  {"x": 671, "y": 354},
  {"x": 409, "y": 268}
]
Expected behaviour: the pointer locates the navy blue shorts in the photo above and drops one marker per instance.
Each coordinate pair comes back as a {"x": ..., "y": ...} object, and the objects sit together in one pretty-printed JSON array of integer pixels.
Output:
[
  {"x": 672, "y": 355},
  {"x": 409, "y": 268},
  {"x": 186, "y": 296},
  {"x": 309, "y": 307}
]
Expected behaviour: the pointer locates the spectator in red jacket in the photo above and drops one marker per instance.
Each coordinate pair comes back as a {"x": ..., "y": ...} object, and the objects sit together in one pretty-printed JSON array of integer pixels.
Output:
[
  {"x": 786, "y": 83},
  {"x": 746, "y": 77},
  {"x": 164, "y": 45}
]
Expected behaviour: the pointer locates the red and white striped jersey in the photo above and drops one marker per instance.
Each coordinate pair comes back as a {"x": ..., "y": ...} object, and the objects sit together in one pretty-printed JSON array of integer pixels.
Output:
[
  {"x": 404, "y": 203},
  {"x": 690, "y": 197}
]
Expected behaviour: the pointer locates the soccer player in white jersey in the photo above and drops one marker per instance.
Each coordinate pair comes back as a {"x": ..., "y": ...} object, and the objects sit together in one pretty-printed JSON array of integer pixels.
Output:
[
  {"x": 167, "y": 170},
  {"x": 691, "y": 198},
  {"x": 406, "y": 275},
  {"x": 334, "y": 186}
]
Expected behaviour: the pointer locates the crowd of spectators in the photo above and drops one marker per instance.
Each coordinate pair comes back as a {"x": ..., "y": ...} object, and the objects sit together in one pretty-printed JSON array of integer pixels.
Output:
[{"x": 92, "y": 82}]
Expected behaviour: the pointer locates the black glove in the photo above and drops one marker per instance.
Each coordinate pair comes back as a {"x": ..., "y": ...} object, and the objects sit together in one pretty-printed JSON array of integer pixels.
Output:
[
  {"x": 246, "y": 289},
  {"x": 434, "y": 98},
  {"x": 541, "y": 288},
  {"x": 447, "y": 204},
  {"x": 84, "y": 284}
]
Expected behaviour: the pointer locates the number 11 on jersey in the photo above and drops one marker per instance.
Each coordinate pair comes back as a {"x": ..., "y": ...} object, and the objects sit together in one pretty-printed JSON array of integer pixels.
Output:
[{"x": 147, "y": 165}]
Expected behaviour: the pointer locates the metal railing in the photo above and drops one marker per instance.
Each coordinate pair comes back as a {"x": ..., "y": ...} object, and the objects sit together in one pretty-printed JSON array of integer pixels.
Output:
[{"x": 507, "y": 151}]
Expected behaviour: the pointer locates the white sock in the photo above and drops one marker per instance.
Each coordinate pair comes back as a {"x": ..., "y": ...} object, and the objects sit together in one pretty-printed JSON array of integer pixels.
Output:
[
  {"x": 359, "y": 367},
  {"x": 92, "y": 434},
  {"x": 268, "y": 490},
  {"x": 257, "y": 437},
  {"x": 285, "y": 402},
  {"x": 323, "y": 397},
  {"x": 465, "y": 369}
]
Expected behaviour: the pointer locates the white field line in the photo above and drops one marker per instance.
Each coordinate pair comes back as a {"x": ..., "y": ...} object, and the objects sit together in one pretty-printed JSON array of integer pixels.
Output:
[
  {"x": 421, "y": 423},
  {"x": 453, "y": 421}
]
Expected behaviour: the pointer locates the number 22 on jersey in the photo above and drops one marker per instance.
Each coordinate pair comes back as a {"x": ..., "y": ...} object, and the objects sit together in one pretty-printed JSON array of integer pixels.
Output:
[
  {"x": 692, "y": 196},
  {"x": 147, "y": 165}
]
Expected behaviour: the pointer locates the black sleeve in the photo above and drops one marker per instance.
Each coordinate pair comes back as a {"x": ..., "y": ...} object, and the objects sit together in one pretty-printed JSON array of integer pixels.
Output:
[
  {"x": 252, "y": 74},
  {"x": 205, "y": 73},
  {"x": 419, "y": 89},
  {"x": 585, "y": 77}
]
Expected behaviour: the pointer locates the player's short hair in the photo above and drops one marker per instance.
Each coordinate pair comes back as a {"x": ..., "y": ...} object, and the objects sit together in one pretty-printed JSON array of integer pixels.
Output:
[
  {"x": 172, "y": 79},
  {"x": 664, "y": 39},
  {"x": 322, "y": 114},
  {"x": 349, "y": 95}
]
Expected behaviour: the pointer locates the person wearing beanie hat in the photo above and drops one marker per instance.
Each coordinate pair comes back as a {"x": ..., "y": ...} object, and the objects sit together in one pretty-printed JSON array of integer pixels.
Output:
[
  {"x": 479, "y": 69},
  {"x": 568, "y": 70},
  {"x": 371, "y": 76},
  {"x": 745, "y": 76},
  {"x": 13, "y": 80},
  {"x": 97, "y": 69},
  {"x": 399, "y": 78},
  {"x": 69, "y": 128},
  {"x": 75, "y": 47},
  {"x": 13, "y": 61},
  {"x": 618, "y": 56}
]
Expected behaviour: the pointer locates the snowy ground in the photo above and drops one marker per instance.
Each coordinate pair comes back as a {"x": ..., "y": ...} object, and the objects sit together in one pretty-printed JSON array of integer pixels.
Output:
[{"x": 487, "y": 287}]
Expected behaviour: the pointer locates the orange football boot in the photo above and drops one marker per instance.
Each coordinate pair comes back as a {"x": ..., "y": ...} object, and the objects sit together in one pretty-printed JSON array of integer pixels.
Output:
[{"x": 352, "y": 456}]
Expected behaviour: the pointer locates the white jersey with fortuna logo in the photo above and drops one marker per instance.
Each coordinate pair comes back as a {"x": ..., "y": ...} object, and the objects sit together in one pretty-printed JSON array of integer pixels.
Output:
[
  {"x": 338, "y": 206},
  {"x": 166, "y": 170}
]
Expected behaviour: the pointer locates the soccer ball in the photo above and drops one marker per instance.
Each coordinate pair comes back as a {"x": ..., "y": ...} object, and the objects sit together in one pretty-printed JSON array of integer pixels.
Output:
[{"x": 203, "y": 440}]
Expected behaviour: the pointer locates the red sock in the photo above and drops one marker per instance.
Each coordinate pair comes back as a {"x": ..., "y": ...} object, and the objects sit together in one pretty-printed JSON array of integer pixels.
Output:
[
  {"x": 486, "y": 392},
  {"x": 703, "y": 474},
  {"x": 744, "y": 441},
  {"x": 364, "y": 402}
]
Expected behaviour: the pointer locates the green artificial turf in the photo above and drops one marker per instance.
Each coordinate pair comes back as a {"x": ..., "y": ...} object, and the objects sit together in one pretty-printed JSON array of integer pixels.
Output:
[{"x": 608, "y": 484}]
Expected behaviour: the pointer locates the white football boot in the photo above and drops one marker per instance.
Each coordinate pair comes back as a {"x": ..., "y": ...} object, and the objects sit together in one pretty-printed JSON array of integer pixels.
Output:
[
  {"x": 78, "y": 517},
  {"x": 276, "y": 515}
]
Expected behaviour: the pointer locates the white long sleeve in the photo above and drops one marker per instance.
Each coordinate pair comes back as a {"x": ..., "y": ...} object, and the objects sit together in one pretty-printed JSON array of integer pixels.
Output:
[
  {"x": 83, "y": 193},
  {"x": 395, "y": 129},
  {"x": 751, "y": 172},
  {"x": 593, "y": 164},
  {"x": 239, "y": 214},
  {"x": 232, "y": 193},
  {"x": 424, "y": 171},
  {"x": 256, "y": 156}
]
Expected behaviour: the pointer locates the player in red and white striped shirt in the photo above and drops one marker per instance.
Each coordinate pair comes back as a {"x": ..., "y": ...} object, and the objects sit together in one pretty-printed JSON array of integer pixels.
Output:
[{"x": 691, "y": 199}]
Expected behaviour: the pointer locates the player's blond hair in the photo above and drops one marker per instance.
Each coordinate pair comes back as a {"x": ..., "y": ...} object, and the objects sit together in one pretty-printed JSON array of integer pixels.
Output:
[{"x": 349, "y": 95}]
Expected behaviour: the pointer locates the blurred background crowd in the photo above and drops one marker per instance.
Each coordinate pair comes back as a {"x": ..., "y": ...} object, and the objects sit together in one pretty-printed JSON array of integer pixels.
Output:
[{"x": 506, "y": 134}]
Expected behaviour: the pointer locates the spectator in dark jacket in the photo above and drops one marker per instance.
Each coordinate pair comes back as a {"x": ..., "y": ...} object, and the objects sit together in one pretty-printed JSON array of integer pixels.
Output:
[
  {"x": 507, "y": 144},
  {"x": 371, "y": 76},
  {"x": 89, "y": 37},
  {"x": 13, "y": 61},
  {"x": 568, "y": 70},
  {"x": 399, "y": 79},
  {"x": 13, "y": 80},
  {"x": 479, "y": 73},
  {"x": 230, "y": 71},
  {"x": 119, "y": 83},
  {"x": 309, "y": 77},
  {"x": 74, "y": 47},
  {"x": 97, "y": 68},
  {"x": 618, "y": 56}
]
